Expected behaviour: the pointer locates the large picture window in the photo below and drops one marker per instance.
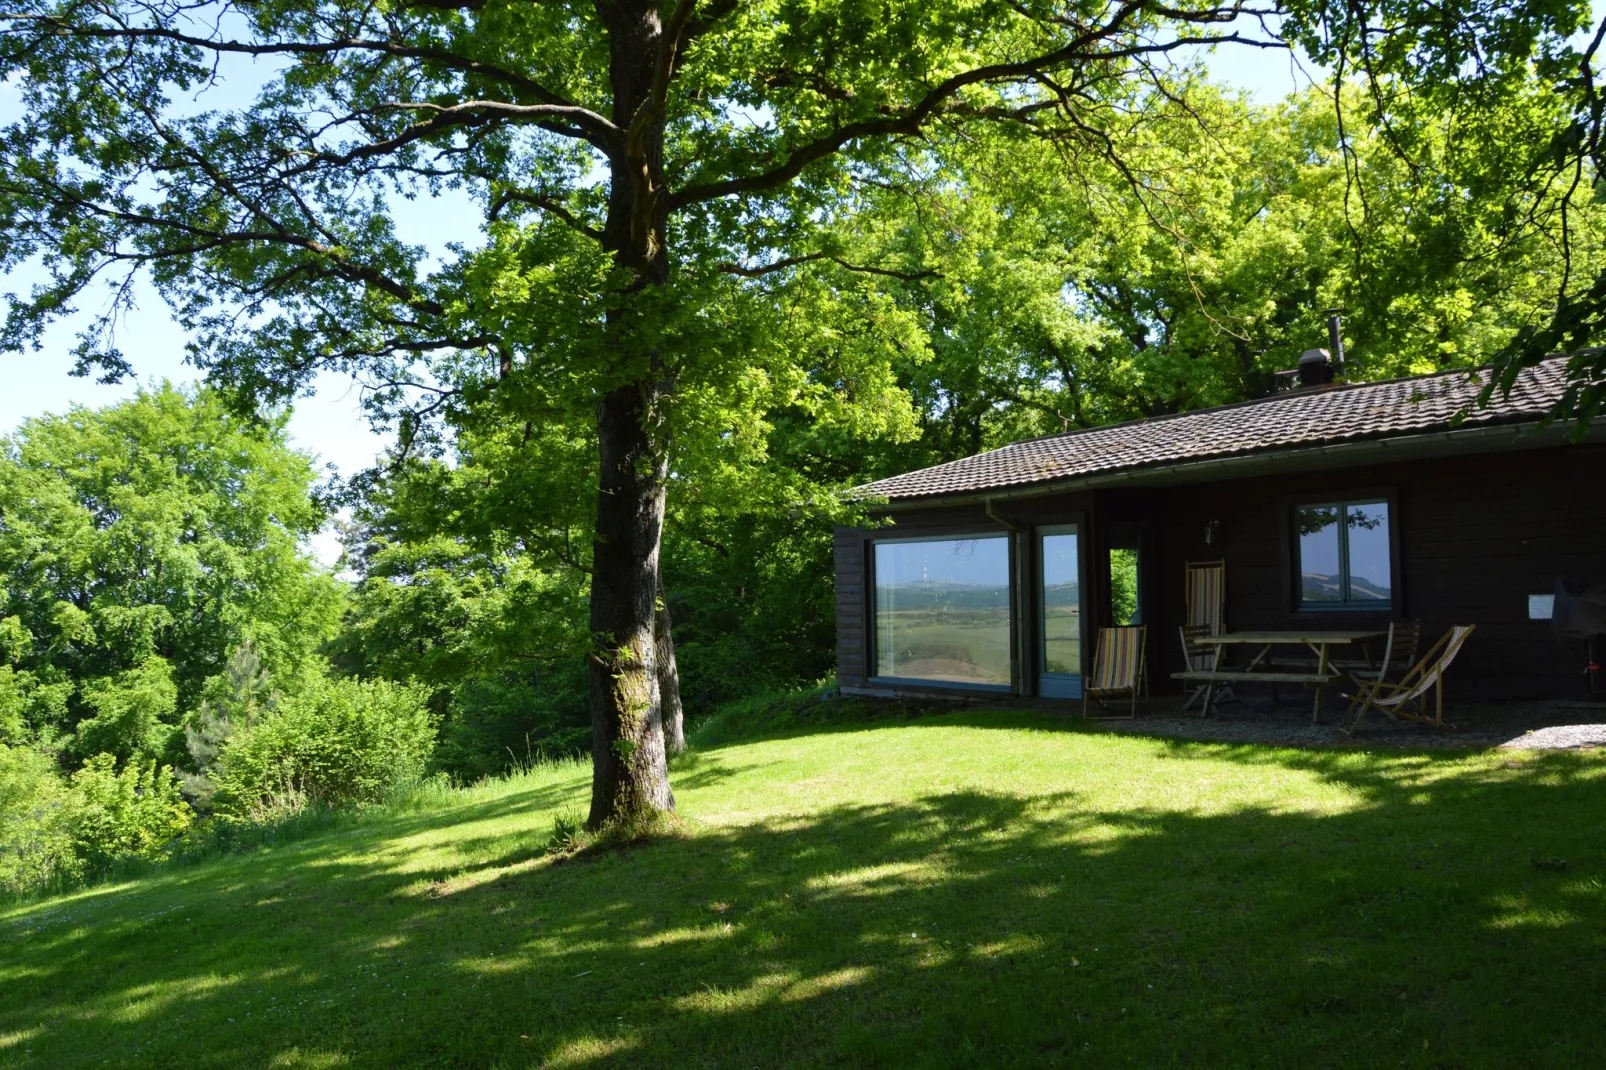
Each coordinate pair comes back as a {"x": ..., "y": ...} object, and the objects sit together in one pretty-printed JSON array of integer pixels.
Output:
[
  {"x": 1343, "y": 551},
  {"x": 942, "y": 610}
]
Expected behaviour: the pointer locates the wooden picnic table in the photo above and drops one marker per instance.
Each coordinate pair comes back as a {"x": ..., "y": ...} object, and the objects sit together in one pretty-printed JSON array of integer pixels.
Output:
[{"x": 1320, "y": 643}]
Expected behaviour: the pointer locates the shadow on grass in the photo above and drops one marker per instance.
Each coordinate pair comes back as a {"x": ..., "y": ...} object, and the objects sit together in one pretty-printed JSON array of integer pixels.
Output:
[
  {"x": 801, "y": 714},
  {"x": 701, "y": 767},
  {"x": 795, "y": 719},
  {"x": 958, "y": 929}
]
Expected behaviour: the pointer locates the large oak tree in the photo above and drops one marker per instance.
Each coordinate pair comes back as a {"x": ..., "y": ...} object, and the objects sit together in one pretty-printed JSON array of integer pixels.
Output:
[{"x": 643, "y": 167}]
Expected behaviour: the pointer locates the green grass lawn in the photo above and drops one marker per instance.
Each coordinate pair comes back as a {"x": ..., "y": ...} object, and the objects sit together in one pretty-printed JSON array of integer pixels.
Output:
[{"x": 966, "y": 889}]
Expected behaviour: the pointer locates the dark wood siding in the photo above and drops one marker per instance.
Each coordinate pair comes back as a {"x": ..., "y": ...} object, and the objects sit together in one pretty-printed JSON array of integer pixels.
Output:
[
  {"x": 1475, "y": 535},
  {"x": 852, "y": 648}
]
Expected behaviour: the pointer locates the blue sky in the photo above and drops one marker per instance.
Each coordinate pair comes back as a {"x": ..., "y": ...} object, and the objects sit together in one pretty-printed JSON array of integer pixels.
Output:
[{"x": 330, "y": 424}]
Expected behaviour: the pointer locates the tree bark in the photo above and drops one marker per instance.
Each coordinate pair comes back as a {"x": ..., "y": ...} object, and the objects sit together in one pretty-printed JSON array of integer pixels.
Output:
[
  {"x": 669, "y": 678},
  {"x": 630, "y": 776}
]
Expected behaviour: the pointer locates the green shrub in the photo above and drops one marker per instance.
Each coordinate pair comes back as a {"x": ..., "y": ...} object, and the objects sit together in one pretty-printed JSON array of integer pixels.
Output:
[
  {"x": 233, "y": 700},
  {"x": 54, "y": 832},
  {"x": 134, "y": 812},
  {"x": 334, "y": 744},
  {"x": 36, "y": 811}
]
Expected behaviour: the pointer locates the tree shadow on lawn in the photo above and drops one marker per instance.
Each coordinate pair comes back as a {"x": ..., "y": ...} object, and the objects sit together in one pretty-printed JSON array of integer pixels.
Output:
[
  {"x": 854, "y": 715},
  {"x": 949, "y": 930},
  {"x": 702, "y": 767},
  {"x": 894, "y": 715}
]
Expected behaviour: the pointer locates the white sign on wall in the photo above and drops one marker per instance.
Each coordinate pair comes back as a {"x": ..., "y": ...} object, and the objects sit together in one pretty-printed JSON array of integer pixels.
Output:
[{"x": 1541, "y": 606}]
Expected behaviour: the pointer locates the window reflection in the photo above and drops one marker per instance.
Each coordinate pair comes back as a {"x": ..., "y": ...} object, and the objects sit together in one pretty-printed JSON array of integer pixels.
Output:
[
  {"x": 1320, "y": 577},
  {"x": 1344, "y": 555},
  {"x": 1062, "y": 602},
  {"x": 942, "y": 610},
  {"x": 1367, "y": 529}
]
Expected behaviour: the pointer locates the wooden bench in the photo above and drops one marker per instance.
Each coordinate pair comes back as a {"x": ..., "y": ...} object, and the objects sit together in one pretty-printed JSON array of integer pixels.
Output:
[
  {"x": 1212, "y": 678},
  {"x": 1227, "y": 676}
]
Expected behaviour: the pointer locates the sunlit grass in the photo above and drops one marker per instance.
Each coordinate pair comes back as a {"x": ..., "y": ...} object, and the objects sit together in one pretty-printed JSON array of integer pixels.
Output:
[{"x": 965, "y": 889}]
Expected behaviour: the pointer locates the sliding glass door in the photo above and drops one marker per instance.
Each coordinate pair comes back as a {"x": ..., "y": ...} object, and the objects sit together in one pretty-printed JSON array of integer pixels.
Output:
[{"x": 1059, "y": 612}]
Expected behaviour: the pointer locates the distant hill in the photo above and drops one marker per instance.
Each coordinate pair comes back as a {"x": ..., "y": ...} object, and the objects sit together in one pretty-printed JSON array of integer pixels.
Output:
[
  {"x": 1317, "y": 587},
  {"x": 936, "y": 594}
]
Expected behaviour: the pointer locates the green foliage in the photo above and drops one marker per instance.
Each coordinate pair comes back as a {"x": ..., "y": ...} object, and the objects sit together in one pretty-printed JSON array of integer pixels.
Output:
[
  {"x": 233, "y": 701},
  {"x": 497, "y": 642},
  {"x": 126, "y": 710},
  {"x": 1077, "y": 299},
  {"x": 36, "y": 823},
  {"x": 1124, "y": 586},
  {"x": 753, "y": 604},
  {"x": 334, "y": 743},
  {"x": 140, "y": 545},
  {"x": 1518, "y": 83},
  {"x": 133, "y": 812},
  {"x": 56, "y": 831}
]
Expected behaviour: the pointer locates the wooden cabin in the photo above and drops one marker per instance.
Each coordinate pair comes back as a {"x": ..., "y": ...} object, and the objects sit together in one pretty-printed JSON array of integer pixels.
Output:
[{"x": 1333, "y": 506}]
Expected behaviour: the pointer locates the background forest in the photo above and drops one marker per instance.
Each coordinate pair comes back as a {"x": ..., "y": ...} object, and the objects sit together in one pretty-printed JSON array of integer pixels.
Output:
[{"x": 175, "y": 667}]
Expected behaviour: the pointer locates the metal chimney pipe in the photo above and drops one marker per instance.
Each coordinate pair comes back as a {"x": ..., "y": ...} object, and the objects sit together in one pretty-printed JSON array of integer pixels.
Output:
[{"x": 1335, "y": 339}]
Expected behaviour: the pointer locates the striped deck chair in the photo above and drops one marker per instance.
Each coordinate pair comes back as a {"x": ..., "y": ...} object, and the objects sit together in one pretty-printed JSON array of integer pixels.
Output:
[
  {"x": 1402, "y": 699},
  {"x": 1207, "y": 595},
  {"x": 1118, "y": 668}
]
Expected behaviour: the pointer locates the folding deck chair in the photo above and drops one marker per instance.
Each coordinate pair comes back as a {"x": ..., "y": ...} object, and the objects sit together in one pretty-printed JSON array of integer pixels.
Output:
[
  {"x": 1118, "y": 668},
  {"x": 1203, "y": 657},
  {"x": 1401, "y": 699},
  {"x": 1405, "y": 636},
  {"x": 1205, "y": 590}
]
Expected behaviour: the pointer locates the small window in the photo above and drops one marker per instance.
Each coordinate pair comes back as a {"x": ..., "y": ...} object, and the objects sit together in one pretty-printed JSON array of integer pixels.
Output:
[
  {"x": 942, "y": 611},
  {"x": 1343, "y": 556}
]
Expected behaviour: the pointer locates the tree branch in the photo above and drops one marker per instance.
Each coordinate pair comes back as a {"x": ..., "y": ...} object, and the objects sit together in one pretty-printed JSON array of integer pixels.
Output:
[
  {"x": 910, "y": 120},
  {"x": 545, "y": 204},
  {"x": 588, "y": 125},
  {"x": 793, "y": 261}
]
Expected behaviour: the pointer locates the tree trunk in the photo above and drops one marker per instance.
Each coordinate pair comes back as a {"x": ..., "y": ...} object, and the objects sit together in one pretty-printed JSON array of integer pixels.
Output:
[
  {"x": 669, "y": 678},
  {"x": 630, "y": 776}
]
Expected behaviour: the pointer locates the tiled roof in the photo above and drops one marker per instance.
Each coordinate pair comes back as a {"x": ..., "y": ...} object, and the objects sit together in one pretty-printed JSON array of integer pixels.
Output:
[{"x": 1298, "y": 419}]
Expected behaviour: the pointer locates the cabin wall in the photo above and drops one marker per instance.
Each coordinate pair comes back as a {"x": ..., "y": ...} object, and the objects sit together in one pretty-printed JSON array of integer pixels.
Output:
[{"x": 1474, "y": 536}]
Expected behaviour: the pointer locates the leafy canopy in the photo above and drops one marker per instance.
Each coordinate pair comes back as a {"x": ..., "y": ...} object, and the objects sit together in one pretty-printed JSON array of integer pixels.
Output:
[{"x": 141, "y": 544}]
